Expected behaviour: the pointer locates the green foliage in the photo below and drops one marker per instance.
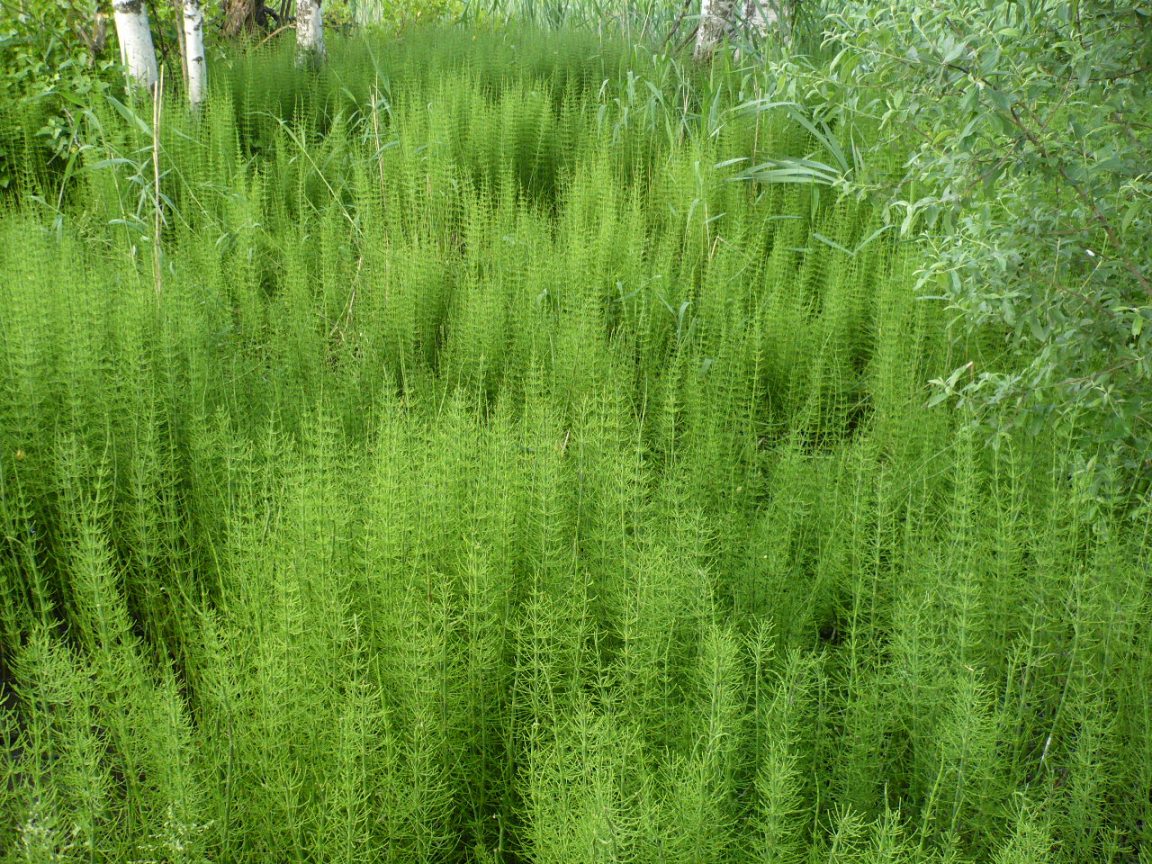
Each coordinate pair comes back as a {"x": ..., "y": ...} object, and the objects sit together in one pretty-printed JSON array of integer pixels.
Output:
[
  {"x": 52, "y": 66},
  {"x": 1032, "y": 178},
  {"x": 502, "y": 472}
]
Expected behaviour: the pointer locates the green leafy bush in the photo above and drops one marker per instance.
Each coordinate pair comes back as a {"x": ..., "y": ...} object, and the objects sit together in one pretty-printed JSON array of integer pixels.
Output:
[
  {"x": 52, "y": 66},
  {"x": 1032, "y": 180}
]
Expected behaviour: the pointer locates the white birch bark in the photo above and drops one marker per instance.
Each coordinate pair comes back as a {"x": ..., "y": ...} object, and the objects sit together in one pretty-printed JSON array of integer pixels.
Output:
[
  {"x": 761, "y": 15},
  {"x": 135, "y": 37},
  {"x": 717, "y": 20},
  {"x": 195, "y": 65},
  {"x": 309, "y": 33}
]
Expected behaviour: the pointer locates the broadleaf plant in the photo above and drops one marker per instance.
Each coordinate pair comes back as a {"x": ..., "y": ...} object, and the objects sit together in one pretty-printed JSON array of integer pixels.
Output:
[{"x": 1032, "y": 183}]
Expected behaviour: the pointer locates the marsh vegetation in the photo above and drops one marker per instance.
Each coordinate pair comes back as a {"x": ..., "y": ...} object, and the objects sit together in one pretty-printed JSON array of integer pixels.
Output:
[{"x": 483, "y": 450}]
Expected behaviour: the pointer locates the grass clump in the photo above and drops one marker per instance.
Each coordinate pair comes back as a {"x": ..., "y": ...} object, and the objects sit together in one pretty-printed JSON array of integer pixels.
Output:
[{"x": 505, "y": 473}]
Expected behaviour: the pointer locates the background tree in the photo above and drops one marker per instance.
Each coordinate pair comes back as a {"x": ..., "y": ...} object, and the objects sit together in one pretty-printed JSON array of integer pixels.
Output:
[
  {"x": 242, "y": 16},
  {"x": 135, "y": 38},
  {"x": 195, "y": 64},
  {"x": 717, "y": 21},
  {"x": 731, "y": 19},
  {"x": 762, "y": 15},
  {"x": 309, "y": 33}
]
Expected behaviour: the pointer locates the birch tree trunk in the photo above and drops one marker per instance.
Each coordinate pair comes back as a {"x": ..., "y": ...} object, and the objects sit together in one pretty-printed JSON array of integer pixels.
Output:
[
  {"x": 717, "y": 20},
  {"x": 194, "y": 62},
  {"x": 309, "y": 33},
  {"x": 761, "y": 15},
  {"x": 135, "y": 37}
]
